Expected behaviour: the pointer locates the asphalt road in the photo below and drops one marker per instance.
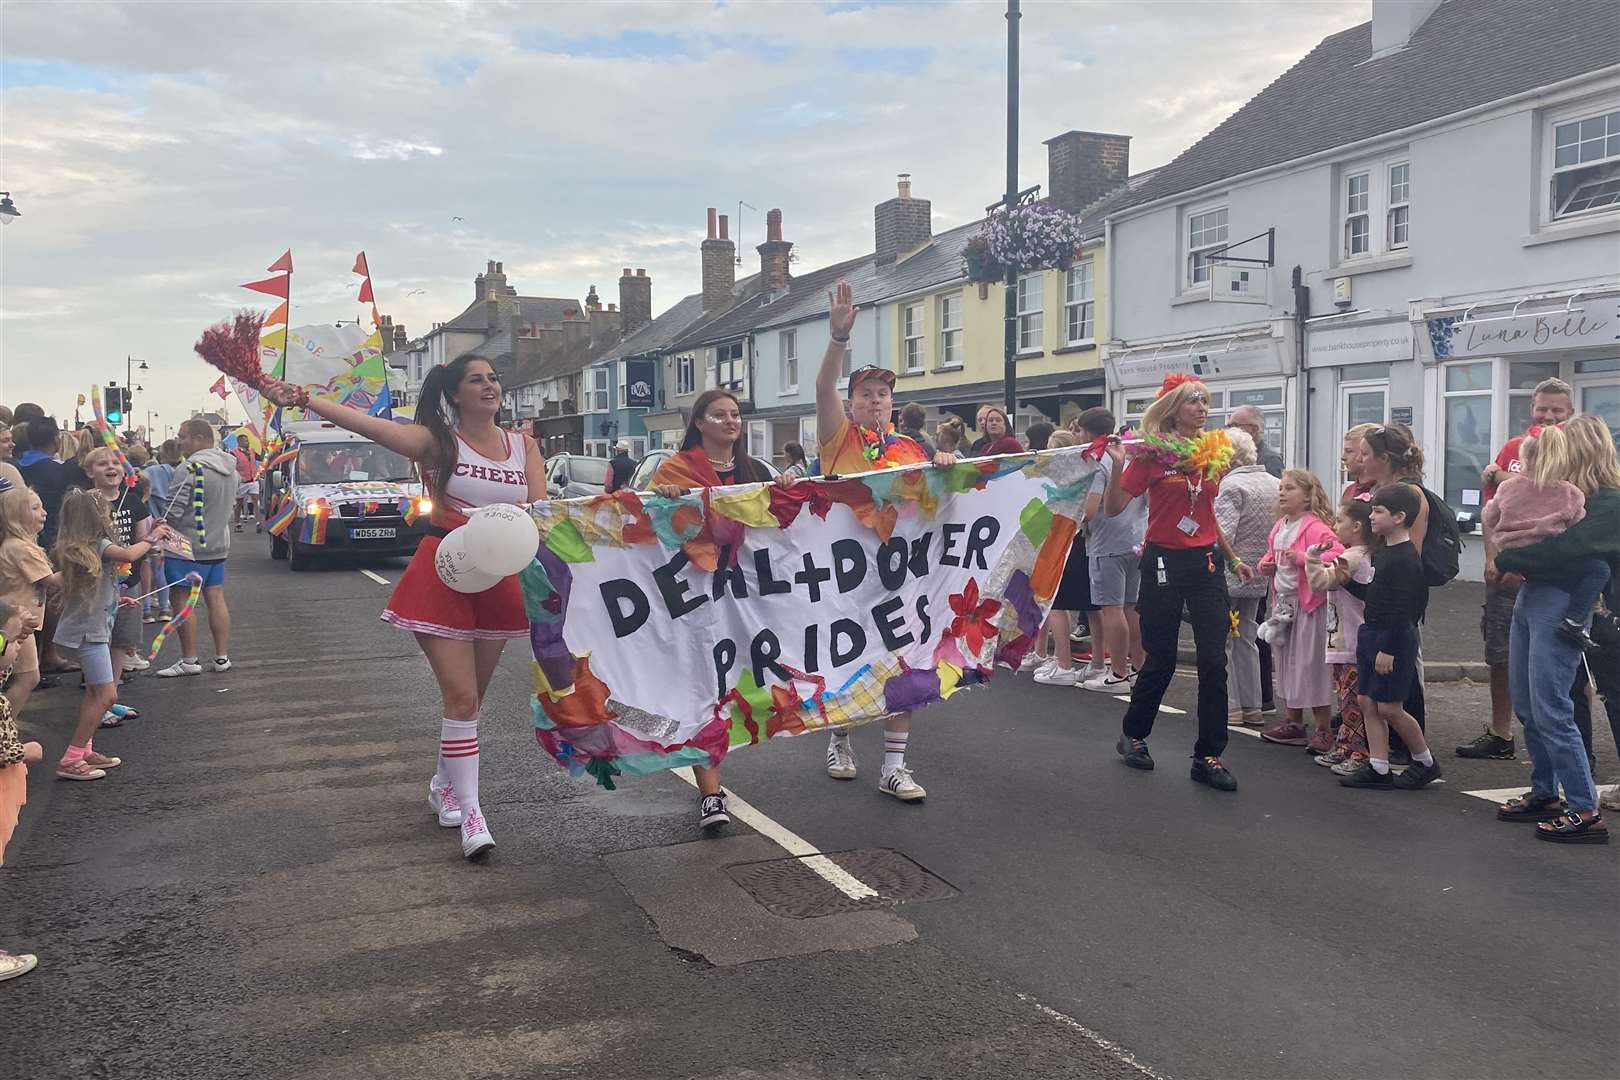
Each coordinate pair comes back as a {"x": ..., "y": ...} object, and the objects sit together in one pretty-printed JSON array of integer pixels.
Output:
[{"x": 260, "y": 892}]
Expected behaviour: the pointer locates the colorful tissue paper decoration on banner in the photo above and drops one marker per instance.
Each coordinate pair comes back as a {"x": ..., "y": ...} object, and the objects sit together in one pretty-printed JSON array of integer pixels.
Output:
[
  {"x": 187, "y": 610},
  {"x": 233, "y": 347},
  {"x": 1209, "y": 452}
]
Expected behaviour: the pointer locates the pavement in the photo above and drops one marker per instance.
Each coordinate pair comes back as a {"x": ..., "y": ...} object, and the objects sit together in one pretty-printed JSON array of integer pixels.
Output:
[{"x": 260, "y": 891}]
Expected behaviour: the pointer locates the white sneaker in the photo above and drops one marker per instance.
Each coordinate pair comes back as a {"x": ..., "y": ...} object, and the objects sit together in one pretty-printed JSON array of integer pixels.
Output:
[
  {"x": 475, "y": 838},
  {"x": 1108, "y": 683},
  {"x": 841, "y": 760},
  {"x": 442, "y": 801},
  {"x": 136, "y": 663},
  {"x": 1057, "y": 676},
  {"x": 221, "y": 663},
  {"x": 178, "y": 668},
  {"x": 898, "y": 782},
  {"x": 1032, "y": 661}
]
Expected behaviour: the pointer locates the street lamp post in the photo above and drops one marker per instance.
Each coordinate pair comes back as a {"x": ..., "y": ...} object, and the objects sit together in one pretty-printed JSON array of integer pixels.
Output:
[
  {"x": 1009, "y": 376},
  {"x": 129, "y": 384}
]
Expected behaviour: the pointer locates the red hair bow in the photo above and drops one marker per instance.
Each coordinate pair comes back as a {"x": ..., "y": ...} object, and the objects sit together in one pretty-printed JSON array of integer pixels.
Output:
[{"x": 1174, "y": 380}]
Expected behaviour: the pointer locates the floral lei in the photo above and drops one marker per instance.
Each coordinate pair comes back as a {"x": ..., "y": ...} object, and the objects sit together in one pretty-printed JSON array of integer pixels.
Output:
[
  {"x": 888, "y": 448},
  {"x": 1209, "y": 452}
]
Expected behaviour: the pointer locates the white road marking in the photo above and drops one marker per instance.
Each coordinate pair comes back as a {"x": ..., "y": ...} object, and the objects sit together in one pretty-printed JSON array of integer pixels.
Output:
[
  {"x": 1503, "y": 794},
  {"x": 790, "y": 842},
  {"x": 1171, "y": 709},
  {"x": 378, "y": 578},
  {"x": 1241, "y": 730},
  {"x": 1112, "y": 1048}
]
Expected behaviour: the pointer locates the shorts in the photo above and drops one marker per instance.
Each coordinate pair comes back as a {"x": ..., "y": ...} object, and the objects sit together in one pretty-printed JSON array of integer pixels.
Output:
[
  {"x": 211, "y": 572},
  {"x": 95, "y": 661},
  {"x": 126, "y": 631},
  {"x": 423, "y": 604},
  {"x": 1074, "y": 588},
  {"x": 1115, "y": 579},
  {"x": 1495, "y": 622},
  {"x": 1397, "y": 685}
]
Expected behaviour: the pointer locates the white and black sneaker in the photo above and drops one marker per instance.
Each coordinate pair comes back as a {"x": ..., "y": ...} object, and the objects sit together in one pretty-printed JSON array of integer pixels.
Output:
[
  {"x": 1109, "y": 683},
  {"x": 841, "y": 760},
  {"x": 899, "y": 783},
  {"x": 712, "y": 811},
  {"x": 221, "y": 664}
]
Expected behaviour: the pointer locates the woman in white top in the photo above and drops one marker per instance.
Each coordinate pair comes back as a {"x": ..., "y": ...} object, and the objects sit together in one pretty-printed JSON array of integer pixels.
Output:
[{"x": 467, "y": 462}]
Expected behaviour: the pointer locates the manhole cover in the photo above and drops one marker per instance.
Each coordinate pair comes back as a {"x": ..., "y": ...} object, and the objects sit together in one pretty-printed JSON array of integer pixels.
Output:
[{"x": 789, "y": 888}]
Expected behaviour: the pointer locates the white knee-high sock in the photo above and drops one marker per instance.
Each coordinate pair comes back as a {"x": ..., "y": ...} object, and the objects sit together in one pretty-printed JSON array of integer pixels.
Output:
[
  {"x": 458, "y": 759},
  {"x": 894, "y": 749}
]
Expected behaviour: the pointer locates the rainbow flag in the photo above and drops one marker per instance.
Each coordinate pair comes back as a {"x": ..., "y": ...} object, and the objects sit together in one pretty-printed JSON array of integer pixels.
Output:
[
  {"x": 313, "y": 530},
  {"x": 283, "y": 517}
]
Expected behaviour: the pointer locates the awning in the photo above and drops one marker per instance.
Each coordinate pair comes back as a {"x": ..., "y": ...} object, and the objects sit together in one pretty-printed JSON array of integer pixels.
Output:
[{"x": 665, "y": 421}]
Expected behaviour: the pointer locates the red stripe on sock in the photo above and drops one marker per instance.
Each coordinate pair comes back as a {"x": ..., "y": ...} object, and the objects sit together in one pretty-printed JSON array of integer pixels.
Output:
[
  {"x": 458, "y": 742},
  {"x": 464, "y": 753}
]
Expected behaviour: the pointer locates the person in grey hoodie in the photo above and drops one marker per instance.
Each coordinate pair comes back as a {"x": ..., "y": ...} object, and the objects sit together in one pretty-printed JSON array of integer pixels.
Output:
[{"x": 210, "y": 537}]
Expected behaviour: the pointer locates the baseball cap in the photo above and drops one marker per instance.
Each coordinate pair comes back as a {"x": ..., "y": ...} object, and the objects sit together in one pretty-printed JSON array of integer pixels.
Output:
[{"x": 871, "y": 371}]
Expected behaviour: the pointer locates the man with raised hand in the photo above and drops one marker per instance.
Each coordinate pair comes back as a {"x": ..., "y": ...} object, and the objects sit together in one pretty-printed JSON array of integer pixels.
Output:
[{"x": 864, "y": 440}]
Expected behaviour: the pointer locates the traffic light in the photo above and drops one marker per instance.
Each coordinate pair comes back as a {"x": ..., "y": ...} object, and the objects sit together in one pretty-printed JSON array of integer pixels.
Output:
[
  {"x": 115, "y": 405},
  {"x": 127, "y": 400}
]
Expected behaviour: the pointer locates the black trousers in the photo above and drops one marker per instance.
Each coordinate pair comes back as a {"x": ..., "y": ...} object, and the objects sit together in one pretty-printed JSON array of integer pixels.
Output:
[
  {"x": 1267, "y": 694},
  {"x": 1174, "y": 580}
]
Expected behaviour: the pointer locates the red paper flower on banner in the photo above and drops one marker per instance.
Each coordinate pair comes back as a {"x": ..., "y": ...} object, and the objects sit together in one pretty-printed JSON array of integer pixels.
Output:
[{"x": 973, "y": 617}]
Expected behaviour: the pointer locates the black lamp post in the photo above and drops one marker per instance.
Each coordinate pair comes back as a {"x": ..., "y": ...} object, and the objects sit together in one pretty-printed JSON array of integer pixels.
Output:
[
  {"x": 8, "y": 209},
  {"x": 129, "y": 383},
  {"x": 1009, "y": 377}
]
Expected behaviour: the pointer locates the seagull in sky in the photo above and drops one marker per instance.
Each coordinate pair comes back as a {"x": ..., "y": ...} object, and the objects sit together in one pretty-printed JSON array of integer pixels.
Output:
[
  {"x": 458, "y": 219},
  {"x": 413, "y": 292}
]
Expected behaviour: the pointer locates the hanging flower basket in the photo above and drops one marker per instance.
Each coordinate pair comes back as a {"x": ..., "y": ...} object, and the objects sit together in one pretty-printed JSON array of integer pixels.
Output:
[{"x": 1034, "y": 237}]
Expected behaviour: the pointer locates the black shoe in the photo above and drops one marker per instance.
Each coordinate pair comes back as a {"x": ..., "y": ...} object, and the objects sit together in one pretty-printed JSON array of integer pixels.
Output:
[
  {"x": 1418, "y": 775},
  {"x": 1209, "y": 770},
  {"x": 1135, "y": 753},
  {"x": 1400, "y": 756},
  {"x": 1268, "y": 706},
  {"x": 1368, "y": 777},
  {"x": 1575, "y": 633},
  {"x": 1489, "y": 746},
  {"x": 712, "y": 811}
]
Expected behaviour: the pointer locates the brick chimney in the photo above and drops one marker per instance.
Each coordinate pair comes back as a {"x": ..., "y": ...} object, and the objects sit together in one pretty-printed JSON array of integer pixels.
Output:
[
  {"x": 719, "y": 265},
  {"x": 1083, "y": 166},
  {"x": 607, "y": 327},
  {"x": 393, "y": 336},
  {"x": 576, "y": 329},
  {"x": 773, "y": 255},
  {"x": 593, "y": 303},
  {"x": 402, "y": 340},
  {"x": 902, "y": 223},
  {"x": 635, "y": 300}
]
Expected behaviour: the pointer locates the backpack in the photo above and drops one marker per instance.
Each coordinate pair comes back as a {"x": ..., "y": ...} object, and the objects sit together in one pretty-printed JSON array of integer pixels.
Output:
[{"x": 1443, "y": 542}]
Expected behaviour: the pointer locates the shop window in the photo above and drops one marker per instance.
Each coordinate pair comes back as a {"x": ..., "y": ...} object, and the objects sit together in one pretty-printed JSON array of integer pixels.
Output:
[{"x": 1469, "y": 439}]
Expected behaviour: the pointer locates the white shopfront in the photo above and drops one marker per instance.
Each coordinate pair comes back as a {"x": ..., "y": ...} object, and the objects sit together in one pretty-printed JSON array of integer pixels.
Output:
[
  {"x": 1481, "y": 364},
  {"x": 1360, "y": 370},
  {"x": 1253, "y": 365}
]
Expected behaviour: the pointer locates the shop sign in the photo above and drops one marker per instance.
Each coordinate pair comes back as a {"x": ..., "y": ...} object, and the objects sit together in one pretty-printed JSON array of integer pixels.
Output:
[
  {"x": 1341, "y": 346},
  {"x": 1454, "y": 338},
  {"x": 1208, "y": 359}
]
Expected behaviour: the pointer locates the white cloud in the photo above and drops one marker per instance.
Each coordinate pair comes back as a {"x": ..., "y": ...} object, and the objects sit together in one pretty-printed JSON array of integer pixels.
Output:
[{"x": 178, "y": 153}]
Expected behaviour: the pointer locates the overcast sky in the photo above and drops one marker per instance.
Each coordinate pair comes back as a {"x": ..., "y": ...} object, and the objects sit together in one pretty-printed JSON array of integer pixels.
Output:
[{"x": 161, "y": 154}]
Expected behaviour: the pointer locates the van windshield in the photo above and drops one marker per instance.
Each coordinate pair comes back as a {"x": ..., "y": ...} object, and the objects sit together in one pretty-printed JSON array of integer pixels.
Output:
[{"x": 340, "y": 463}]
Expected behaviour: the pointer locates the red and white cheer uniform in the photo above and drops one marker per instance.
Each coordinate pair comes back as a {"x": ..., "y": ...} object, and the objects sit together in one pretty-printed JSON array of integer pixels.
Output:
[{"x": 421, "y": 602}]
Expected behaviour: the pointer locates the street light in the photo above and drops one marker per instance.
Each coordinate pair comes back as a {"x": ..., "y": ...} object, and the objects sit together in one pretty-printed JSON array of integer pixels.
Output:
[
  {"x": 129, "y": 362},
  {"x": 1009, "y": 373},
  {"x": 8, "y": 209}
]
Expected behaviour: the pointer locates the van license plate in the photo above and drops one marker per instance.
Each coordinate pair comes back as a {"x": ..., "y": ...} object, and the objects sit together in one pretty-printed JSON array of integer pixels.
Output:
[{"x": 372, "y": 534}]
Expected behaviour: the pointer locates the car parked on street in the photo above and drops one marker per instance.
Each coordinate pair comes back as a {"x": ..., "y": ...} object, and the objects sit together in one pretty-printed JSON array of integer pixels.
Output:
[{"x": 575, "y": 476}]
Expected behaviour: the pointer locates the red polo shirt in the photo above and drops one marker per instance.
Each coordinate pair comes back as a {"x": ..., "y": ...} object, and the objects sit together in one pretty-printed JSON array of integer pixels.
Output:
[{"x": 1170, "y": 498}]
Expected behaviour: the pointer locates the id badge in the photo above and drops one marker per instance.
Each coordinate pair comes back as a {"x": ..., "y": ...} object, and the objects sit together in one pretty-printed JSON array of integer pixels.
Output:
[{"x": 1188, "y": 526}]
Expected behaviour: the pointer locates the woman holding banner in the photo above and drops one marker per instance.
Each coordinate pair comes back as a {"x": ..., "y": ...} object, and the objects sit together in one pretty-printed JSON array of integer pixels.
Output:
[
  {"x": 467, "y": 462},
  {"x": 1183, "y": 566},
  {"x": 711, "y": 455}
]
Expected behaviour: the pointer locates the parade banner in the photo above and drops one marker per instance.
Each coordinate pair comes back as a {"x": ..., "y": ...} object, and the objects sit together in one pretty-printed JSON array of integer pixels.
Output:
[
  {"x": 667, "y": 632},
  {"x": 340, "y": 363}
]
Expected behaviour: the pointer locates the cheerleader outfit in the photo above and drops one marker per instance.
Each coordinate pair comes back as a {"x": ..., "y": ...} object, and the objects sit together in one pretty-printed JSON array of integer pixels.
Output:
[{"x": 423, "y": 604}]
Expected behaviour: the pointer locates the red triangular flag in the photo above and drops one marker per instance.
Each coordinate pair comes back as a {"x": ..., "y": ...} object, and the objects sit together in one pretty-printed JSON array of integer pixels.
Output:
[
  {"x": 376, "y": 319},
  {"x": 360, "y": 265},
  {"x": 275, "y": 286},
  {"x": 277, "y": 316},
  {"x": 282, "y": 264},
  {"x": 221, "y": 389},
  {"x": 365, "y": 292}
]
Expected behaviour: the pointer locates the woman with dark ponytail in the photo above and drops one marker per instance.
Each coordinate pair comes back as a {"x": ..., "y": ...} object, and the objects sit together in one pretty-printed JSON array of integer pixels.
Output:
[{"x": 466, "y": 462}]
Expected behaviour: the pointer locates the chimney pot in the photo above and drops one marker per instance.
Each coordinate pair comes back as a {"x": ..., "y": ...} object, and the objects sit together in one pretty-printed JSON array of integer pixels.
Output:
[
  {"x": 613, "y": 307},
  {"x": 641, "y": 272},
  {"x": 904, "y": 185},
  {"x": 773, "y": 226},
  {"x": 712, "y": 234},
  {"x": 490, "y": 268},
  {"x": 723, "y": 235},
  {"x": 626, "y": 272}
]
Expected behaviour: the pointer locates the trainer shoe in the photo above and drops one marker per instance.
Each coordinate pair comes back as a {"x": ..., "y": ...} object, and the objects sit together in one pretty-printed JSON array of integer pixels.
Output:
[
  {"x": 149, "y": 618},
  {"x": 221, "y": 663},
  {"x": 1488, "y": 746},
  {"x": 898, "y": 782},
  {"x": 841, "y": 760},
  {"x": 1368, "y": 777},
  {"x": 1286, "y": 734},
  {"x": 136, "y": 663},
  {"x": 1209, "y": 770},
  {"x": 179, "y": 668},
  {"x": 1336, "y": 756},
  {"x": 78, "y": 770},
  {"x": 475, "y": 838},
  {"x": 1135, "y": 752},
  {"x": 1418, "y": 775},
  {"x": 1057, "y": 676},
  {"x": 1610, "y": 800},
  {"x": 98, "y": 760},
  {"x": 443, "y": 802},
  {"x": 1321, "y": 742},
  {"x": 712, "y": 811},
  {"x": 12, "y": 966},
  {"x": 1350, "y": 764},
  {"x": 1109, "y": 683},
  {"x": 1031, "y": 661}
]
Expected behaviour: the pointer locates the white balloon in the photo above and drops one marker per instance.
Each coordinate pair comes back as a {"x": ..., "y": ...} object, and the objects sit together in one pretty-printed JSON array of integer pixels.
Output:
[
  {"x": 455, "y": 567},
  {"x": 501, "y": 538}
]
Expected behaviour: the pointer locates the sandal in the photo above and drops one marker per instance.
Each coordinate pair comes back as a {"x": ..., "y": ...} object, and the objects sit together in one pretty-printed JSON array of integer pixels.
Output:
[
  {"x": 111, "y": 719},
  {"x": 1531, "y": 807},
  {"x": 1574, "y": 829},
  {"x": 126, "y": 711}
]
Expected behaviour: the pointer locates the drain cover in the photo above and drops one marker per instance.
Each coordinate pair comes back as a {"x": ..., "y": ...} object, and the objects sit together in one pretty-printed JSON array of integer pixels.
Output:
[{"x": 789, "y": 888}]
